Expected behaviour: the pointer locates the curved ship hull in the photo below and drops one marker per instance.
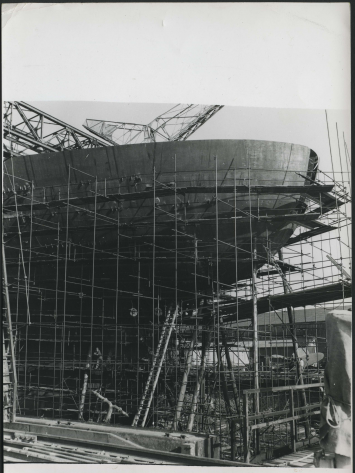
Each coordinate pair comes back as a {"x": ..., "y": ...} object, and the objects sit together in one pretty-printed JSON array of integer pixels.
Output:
[
  {"x": 101, "y": 243},
  {"x": 157, "y": 209}
]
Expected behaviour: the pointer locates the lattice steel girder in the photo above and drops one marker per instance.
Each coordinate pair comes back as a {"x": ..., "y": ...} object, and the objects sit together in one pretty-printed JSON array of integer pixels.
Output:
[
  {"x": 28, "y": 129},
  {"x": 128, "y": 132},
  {"x": 177, "y": 124}
]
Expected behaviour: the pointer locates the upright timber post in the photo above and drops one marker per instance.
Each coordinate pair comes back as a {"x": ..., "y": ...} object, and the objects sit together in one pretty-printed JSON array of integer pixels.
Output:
[
  {"x": 246, "y": 431},
  {"x": 198, "y": 383},
  {"x": 231, "y": 372},
  {"x": 255, "y": 349},
  {"x": 233, "y": 433},
  {"x": 293, "y": 422},
  {"x": 181, "y": 398},
  {"x": 235, "y": 394},
  {"x": 13, "y": 375},
  {"x": 291, "y": 319},
  {"x": 85, "y": 384},
  {"x": 231, "y": 422},
  {"x": 224, "y": 384}
]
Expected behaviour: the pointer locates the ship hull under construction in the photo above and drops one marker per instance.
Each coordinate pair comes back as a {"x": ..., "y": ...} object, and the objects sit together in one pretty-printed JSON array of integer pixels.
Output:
[
  {"x": 102, "y": 243},
  {"x": 111, "y": 197},
  {"x": 145, "y": 285}
]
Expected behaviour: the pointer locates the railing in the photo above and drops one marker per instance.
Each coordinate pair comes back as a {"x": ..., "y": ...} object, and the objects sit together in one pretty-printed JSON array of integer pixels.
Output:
[{"x": 255, "y": 423}]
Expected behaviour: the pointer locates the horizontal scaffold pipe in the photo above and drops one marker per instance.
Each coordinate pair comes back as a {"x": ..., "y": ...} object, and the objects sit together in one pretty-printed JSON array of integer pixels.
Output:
[
  {"x": 149, "y": 194},
  {"x": 317, "y": 295}
]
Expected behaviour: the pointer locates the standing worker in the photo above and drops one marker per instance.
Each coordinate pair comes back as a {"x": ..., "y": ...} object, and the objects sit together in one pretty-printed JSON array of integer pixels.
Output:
[{"x": 98, "y": 356}]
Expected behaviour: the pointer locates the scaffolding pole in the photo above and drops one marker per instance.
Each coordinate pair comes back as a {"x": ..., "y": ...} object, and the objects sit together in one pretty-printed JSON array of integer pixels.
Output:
[
  {"x": 185, "y": 377},
  {"x": 13, "y": 376},
  {"x": 291, "y": 319}
]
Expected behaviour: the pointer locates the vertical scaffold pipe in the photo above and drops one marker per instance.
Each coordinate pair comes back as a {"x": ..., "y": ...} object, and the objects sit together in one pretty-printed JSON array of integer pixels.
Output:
[
  {"x": 85, "y": 384},
  {"x": 255, "y": 337},
  {"x": 231, "y": 372},
  {"x": 185, "y": 377},
  {"x": 13, "y": 376},
  {"x": 198, "y": 383},
  {"x": 291, "y": 319},
  {"x": 223, "y": 383},
  {"x": 256, "y": 352}
]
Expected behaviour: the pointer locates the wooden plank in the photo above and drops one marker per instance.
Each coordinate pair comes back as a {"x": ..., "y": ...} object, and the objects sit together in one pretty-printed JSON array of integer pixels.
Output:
[
  {"x": 279, "y": 461},
  {"x": 277, "y": 413},
  {"x": 272, "y": 464},
  {"x": 282, "y": 421},
  {"x": 67, "y": 455},
  {"x": 284, "y": 388},
  {"x": 33, "y": 456},
  {"x": 8, "y": 459}
]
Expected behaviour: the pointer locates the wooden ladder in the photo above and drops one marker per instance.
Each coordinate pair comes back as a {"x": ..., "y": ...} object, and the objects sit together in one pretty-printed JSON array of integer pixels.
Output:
[{"x": 144, "y": 406}]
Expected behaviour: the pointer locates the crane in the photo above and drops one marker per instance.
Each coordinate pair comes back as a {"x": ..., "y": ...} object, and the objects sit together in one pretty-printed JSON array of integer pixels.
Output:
[
  {"x": 176, "y": 124},
  {"x": 30, "y": 130}
]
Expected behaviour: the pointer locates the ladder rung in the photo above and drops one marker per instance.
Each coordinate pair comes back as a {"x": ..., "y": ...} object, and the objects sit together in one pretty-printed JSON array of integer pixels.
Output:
[{"x": 155, "y": 370}]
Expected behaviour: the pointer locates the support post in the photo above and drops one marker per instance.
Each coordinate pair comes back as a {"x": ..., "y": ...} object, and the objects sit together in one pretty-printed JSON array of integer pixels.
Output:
[
  {"x": 291, "y": 319},
  {"x": 224, "y": 382},
  {"x": 293, "y": 423},
  {"x": 256, "y": 352},
  {"x": 85, "y": 384},
  {"x": 13, "y": 375},
  {"x": 233, "y": 431},
  {"x": 181, "y": 398},
  {"x": 230, "y": 368},
  {"x": 198, "y": 384},
  {"x": 255, "y": 341},
  {"x": 246, "y": 428},
  {"x": 231, "y": 422}
]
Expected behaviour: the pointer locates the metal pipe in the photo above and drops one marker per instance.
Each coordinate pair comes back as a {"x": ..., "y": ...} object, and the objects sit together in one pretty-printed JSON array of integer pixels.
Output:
[
  {"x": 198, "y": 383},
  {"x": 93, "y": 279},
  {"x": 223, "y": 381},
  {"x": 65, "y": 291},
  {"x": 255, "y": 336},
  {"x": 85, "y": 385},
  {"x": 110, "y": 408},
  {"x": 184, "y": 380},
  {"x": 291, "y": 319},
  {"x": 230, "y": 368},
  {"x": 246, "y": 430},
  {"x": 11, "y": 341}
]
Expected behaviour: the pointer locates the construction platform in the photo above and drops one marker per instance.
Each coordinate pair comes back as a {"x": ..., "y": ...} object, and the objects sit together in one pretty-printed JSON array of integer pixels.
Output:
[{"x": 43, "y": 441}]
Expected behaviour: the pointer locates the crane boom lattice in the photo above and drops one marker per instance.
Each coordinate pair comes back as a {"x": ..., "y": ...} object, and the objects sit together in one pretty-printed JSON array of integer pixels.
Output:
[
  {"x": 177, "y": 124},
  {"x": 28, "y": 130}
]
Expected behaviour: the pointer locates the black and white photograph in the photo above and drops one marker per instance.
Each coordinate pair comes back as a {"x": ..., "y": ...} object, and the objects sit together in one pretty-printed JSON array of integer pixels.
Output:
[{"x": 176, "y": 236}]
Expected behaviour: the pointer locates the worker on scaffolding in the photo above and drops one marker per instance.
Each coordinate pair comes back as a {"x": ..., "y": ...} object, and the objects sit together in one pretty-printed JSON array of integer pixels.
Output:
[
  {"x": 301, "y": 364},
  {"x": 98, "y": 356}
]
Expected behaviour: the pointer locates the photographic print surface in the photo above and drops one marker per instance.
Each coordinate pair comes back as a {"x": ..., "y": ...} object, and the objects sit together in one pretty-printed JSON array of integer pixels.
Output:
[{"x": 176, "y": 245}]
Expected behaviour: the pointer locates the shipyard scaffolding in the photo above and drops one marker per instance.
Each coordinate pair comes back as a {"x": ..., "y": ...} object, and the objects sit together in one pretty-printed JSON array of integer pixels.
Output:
[{"x": 115, "y": 333}]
